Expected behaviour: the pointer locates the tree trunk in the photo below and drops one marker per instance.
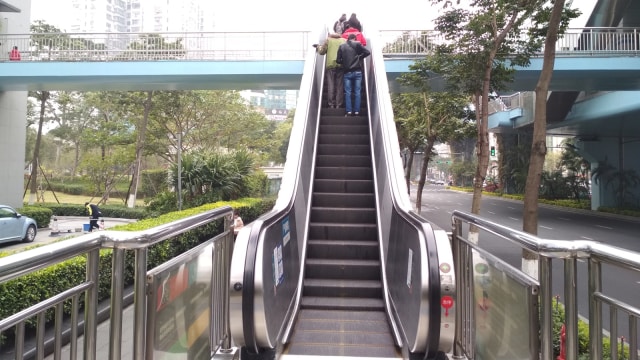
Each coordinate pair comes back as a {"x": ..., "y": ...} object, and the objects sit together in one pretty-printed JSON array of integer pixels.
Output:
[
  {"x": 407, "y": 170},
  {"x": 423, "y": 175},
  {"x": 35, "y": 165},
  {"x": 539, "y": 145},
  {"x": 482, "y": 151},
  {"x": 142, "y": 130}
]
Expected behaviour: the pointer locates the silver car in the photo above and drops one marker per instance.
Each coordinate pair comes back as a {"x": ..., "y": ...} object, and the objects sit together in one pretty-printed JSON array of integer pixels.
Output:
[{"x": 15, "y": 226}]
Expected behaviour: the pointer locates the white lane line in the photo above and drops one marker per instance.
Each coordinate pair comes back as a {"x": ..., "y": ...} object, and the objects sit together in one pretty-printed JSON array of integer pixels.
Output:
[
  {"x": 511, "y": 207},
  {"x": 546, "y": 227},
  {"x": 512, "y": 218},
  {"x": 491, "y": 212},
  {"x": 565, "y": 219},
  {"x": 586, "y": 238},
  {"x": 604, "y": 227}
]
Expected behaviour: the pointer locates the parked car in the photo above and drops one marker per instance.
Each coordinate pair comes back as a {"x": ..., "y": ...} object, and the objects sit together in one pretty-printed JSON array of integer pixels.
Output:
[{"x": 15, "y": 226}]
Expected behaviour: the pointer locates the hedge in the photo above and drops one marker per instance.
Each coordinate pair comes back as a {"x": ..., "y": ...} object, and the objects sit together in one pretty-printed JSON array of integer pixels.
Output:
[{"x": 20, "y": 293}]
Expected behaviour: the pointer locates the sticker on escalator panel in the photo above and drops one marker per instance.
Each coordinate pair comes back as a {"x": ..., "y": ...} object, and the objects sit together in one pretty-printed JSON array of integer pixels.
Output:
[
  {"x": 278, "y": 267},
  {"x": 409, "y": 268},
  {"x": 286, "y": 233}
]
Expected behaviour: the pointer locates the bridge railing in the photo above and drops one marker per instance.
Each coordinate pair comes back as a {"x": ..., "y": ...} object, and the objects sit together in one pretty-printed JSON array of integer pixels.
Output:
[
  {"x": 206, "y": 276},
  {"x": 217, "y": 46},
  {"x": 591, "y": 41},
  {"x": 264, "y": 46},
  {"x": 498, "y": 299}
]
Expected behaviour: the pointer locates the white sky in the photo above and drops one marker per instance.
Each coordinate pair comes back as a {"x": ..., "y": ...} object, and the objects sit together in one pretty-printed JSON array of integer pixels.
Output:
[{"x": 261, "y": 15}]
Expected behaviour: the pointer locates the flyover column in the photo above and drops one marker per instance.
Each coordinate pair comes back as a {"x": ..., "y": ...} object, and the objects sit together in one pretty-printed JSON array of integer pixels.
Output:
[{"x": 13, "y": 107}]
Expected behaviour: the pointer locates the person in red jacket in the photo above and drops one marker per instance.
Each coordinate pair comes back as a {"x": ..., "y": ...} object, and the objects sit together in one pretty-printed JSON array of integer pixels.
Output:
[
  {"x": 15, "y": 54},
  {"x": 349, "y": 29}
]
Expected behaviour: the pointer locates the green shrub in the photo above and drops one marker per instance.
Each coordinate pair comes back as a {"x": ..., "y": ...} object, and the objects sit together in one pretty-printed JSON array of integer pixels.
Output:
[
  {"x": 30, "y": 289},
  {"x": 42, "y": 215},
  {"x": 115, "y": 211}
]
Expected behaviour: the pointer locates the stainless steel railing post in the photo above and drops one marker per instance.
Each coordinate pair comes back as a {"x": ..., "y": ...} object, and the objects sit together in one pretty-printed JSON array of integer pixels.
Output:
[
  {"x": 91, "y": 305},
  {"x": 571, "y": 307},
  {"x": 140, "y": 304},
  {"x": 117, "y": 284},
  {"x": 595, "y": 309},
  {"x": 546, "y": 304}
]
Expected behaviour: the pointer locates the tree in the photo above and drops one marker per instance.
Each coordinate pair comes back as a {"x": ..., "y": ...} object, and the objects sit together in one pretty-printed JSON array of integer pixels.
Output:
[
  {"x": 484, "y": 44},
  {"x": 551, "y": 28},
  {"x": 42, "y": 97},
  {"x": 141, "y": 129},
  {"x": 431, "y": 117}
]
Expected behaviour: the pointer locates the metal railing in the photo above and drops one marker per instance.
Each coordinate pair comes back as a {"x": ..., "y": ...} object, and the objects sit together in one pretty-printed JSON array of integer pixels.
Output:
[
  {"x": 18, "y": 265},
  {"x": 505, "y": 103},
  {"x": 575, "y": 42},
  {"x": 265, "y": 46},
  {"x": 570, "y": 252},
  {"x": 184, "y": 46}
]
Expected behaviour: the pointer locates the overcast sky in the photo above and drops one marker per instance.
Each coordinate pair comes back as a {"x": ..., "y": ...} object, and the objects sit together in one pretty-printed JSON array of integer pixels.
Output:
[
  {"x": 259, "y": 15},
  {"x": 285, "y": 14}
]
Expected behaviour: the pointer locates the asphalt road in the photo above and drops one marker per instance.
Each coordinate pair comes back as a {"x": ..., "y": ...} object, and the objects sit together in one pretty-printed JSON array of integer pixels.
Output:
[{"x": 554, "y": 223}]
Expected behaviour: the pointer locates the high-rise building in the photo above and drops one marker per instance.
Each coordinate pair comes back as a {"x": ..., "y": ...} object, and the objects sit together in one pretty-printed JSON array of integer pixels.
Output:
[{"x": 139, "y": 16}]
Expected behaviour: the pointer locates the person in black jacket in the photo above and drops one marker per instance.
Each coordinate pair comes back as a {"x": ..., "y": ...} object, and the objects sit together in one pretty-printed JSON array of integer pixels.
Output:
[
  {"x": 94, "y": 214},
  {"x": 350, "y": 55}
]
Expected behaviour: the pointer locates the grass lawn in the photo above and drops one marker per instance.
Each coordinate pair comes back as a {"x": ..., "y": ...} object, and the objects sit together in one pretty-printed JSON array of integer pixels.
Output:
[{"x": 77, "y": 199}]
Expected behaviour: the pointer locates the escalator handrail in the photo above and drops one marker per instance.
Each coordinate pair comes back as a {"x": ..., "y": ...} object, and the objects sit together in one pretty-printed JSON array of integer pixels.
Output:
[
  {"x": 251, "y": 235},
  {"x": 400, "y": 198}
]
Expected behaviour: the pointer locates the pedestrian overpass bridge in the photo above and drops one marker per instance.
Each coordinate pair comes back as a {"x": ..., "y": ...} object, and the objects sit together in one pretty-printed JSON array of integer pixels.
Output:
[
  {"x": 341, "y": 266},
  {"x": 600, "y": 63}
]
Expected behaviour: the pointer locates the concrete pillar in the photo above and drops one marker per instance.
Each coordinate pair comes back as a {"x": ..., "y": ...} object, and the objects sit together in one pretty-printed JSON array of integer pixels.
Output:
[{"x": 13, "y": 115}]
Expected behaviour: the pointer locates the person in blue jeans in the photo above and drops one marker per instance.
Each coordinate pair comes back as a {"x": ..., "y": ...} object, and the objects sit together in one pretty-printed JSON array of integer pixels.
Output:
[{"x": 350, "y": 55}]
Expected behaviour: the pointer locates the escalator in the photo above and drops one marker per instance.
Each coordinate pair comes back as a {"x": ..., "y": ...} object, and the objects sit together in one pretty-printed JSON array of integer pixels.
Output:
[
  {"x": 342, "y": 266},
  {"x": 342, "y": 308}
]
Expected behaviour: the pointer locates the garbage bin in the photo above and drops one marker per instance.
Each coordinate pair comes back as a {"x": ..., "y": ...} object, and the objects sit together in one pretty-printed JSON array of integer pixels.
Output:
[{"x": 85, "y": 227}]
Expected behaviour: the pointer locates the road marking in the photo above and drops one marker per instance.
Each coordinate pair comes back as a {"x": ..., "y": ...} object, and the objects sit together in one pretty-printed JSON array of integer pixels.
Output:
[
  {"x": 491, "y": 212},
  {"x": 512, "y": 218},
  {"x": 604, "y": 227},
  {"x": 565, "y": 219},
  {"x": 546, "y": 227},
  {"x": 586, "y": 238},
  {"x": 511, "y": 207}
]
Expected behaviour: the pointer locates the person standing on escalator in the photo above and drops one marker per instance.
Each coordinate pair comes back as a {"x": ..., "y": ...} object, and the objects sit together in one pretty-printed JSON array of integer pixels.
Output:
[
  {"x": 334, "y": 76},
  {"x": 350, "y": 55}
]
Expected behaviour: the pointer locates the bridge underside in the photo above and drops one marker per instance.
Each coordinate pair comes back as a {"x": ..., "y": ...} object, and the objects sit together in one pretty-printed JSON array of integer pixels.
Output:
[{"x": 151, "y": 75}]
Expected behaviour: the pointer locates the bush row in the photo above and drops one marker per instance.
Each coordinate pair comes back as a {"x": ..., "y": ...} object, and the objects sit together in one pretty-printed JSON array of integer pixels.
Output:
[
  {"x": 152, "y": 182},
  {"x": 30, "y": 289},
  {"x": 42, "y": 213}
]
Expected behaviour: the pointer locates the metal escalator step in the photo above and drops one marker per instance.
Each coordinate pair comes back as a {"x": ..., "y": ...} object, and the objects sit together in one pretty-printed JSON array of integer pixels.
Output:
[
  {"x": 344, "y": 128},
  {"x": 340, "y": 119},
  {"x": 342, "y": 288},
  {"x": 349, "y": 160},
  {"x": 332, "y": 231},
  {"x": 341, "y": 215},
  {"x": 342, "y": 269},
  {"x": 360, "y": 139},
  {"x": 347, "y": 173},
  {"x": 342, "y": 186},
  {"x": 343, "y": 249},
  {"x": 342, "y": 315},
  {"x": 343, "y": 149},
  {"x": 333, "y": 303},
  {"x": 348, "y": 352},
  {"x": 357, "y": 200}
]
